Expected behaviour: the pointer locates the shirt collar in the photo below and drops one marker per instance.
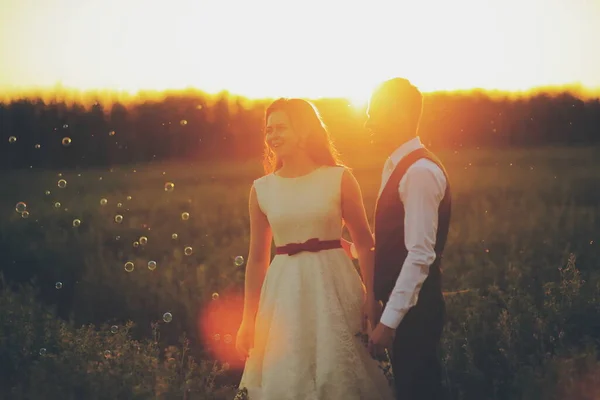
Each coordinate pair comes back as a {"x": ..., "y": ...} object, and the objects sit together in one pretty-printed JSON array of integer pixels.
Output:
[{"x": 404, "y": 149}]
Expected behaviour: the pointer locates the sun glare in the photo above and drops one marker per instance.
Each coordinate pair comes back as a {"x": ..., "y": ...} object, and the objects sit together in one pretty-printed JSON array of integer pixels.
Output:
[{"x": 312, "y": 52}]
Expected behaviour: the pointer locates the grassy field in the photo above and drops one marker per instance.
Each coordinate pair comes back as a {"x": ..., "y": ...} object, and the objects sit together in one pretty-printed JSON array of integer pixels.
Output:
[{"x": 524, "y": 240}]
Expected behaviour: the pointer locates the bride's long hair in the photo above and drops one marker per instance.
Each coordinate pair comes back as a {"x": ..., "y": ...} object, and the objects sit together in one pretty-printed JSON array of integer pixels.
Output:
[{"x": 304, "y": 117}]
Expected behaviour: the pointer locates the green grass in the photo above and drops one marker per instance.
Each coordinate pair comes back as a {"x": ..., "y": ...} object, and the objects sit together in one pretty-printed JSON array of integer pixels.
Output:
[{"x": 526, "y": 329}]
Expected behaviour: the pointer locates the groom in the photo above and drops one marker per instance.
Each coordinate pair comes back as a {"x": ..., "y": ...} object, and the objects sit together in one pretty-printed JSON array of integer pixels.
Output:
[{"x": 412, "y": 216}]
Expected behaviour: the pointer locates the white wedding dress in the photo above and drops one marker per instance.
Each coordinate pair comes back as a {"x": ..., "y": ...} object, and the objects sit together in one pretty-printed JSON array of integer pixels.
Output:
[{"x": 310, "y": 304}]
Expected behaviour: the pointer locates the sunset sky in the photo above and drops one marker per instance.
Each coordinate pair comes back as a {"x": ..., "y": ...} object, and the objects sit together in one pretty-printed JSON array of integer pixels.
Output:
[{"x": 312, "y": 48}]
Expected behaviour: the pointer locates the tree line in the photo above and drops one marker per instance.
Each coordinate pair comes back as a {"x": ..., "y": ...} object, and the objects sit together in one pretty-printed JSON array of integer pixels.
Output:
[{"x": 54, "y": 133}]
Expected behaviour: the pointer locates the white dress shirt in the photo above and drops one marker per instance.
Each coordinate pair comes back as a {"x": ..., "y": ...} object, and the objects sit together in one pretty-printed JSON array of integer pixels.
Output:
[{"x": 421, "y": 190}]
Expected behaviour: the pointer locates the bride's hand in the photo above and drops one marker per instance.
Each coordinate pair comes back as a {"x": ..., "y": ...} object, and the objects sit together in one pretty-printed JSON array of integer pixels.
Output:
[{"x": 245, "y": 339}]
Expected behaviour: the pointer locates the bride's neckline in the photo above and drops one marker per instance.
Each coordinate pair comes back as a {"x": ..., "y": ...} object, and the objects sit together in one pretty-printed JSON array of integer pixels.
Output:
[{"x": 299, "y": 176}]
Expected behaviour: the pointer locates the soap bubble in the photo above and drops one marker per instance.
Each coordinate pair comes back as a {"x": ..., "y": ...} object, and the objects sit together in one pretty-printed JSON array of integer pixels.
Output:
[
  {"x": 129, "y": 266},
  {"x": 21, "y": 207},
  {"x": 167, "y": 317}
]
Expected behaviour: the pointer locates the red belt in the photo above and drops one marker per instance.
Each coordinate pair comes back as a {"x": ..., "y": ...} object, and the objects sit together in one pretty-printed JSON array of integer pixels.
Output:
[{"x": 313, "y": 245}]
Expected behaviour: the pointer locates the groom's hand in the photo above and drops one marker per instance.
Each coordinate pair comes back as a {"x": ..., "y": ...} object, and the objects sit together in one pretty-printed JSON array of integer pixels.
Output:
[{"x": 381, "y": 338}]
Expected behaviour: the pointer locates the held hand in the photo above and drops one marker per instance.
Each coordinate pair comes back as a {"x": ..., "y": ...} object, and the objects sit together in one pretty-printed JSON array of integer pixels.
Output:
[
  {"x": 381, "y": 339},
  {"x": 244, "y": 341}
]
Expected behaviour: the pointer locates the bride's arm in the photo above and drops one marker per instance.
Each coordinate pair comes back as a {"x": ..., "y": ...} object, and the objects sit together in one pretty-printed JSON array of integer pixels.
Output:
[
  {"x": 258, "y": 257},
  {"x": 355, "y": 217}
]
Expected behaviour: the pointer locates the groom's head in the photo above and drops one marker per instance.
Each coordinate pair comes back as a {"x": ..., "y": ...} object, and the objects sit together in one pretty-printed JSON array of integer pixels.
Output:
[{"x": 394, "y": 111}]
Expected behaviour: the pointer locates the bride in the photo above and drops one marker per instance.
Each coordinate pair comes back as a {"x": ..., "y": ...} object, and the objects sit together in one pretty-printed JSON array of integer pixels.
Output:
[{"x": 304, "y": 308}]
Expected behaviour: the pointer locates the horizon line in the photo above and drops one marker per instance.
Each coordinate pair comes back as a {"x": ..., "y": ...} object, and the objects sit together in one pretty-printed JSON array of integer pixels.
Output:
[{"x": 12, "y": 93}]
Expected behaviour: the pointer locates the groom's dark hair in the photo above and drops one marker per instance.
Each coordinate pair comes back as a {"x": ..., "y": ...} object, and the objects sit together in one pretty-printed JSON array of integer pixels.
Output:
[{"x": 402, "y": 95}]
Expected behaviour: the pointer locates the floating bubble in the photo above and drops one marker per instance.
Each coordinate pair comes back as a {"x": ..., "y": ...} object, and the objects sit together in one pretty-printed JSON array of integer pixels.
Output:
[
  {"x": 215, "y": 296},
  {"x": 143, "y": 240},
  {"x": 107, "y": 353},
  {"x": 66, "y": 141},
  {"x": 47, "y": 192},
  {"x": 129, "y": 266},
  {"x": 118, "y": 219},
  {"x": 174, "y": 236},
  {"x": 238, "y": 261},
  {"x": 136, "y": 244},
  {"x": 103, "y": 202},
  {"x": 37, "y": 146},
  {"x": 111, "y": 133},
  {"x": 227, "y": 338},
  {"x": 183, "y": 122},
  {"x": 57, "y": 204},
  {"x": 65, "y": 126},
  {"x": 217, "y": 337},
  {"x": 185, "y": 216},
  {"x": 12, "y": 139},
  {"x": 169, "y": 186},
  {"x": 188, "y": 251},
  {"x": 151, "y": 265},
  {"x": 58, "y": 285},
  {"x": 119, "y": 205},
  {"x": 43, "y": 351},
  {"x": 76, "y": 222},
  {"x": 128, "y": 198},
  {"x": 114, "y": 329},
  {"x": 62, "y": 184},
  {"x": 25, "y": 214},
  {"x": 167, "y": 317},
  {"x": 21, "y": 207}
]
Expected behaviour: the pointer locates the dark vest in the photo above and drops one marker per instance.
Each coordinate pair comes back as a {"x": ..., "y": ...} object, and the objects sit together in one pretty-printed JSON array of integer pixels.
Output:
[{"x": 390, "y": 249}]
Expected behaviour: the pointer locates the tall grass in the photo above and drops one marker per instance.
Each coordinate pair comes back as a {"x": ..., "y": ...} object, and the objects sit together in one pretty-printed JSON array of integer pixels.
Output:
[{"x": 523, "y": 240}]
